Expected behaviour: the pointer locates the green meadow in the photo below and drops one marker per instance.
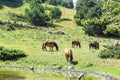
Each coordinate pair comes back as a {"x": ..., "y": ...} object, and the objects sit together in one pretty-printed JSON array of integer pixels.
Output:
[{"x": 30, "y": 41}]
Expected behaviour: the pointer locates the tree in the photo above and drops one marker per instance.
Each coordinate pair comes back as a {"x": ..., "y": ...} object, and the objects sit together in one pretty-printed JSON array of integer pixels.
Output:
[
  {"x": 70, "y": 4},
  {"x": 86, "y": 9},
  {"x": 55, "y": 13},
  {"x": 35, "y": 15},
  {"x": 53, "y": 2},
  {"x": 67, "y": 3},
  {"x": 43, "y": 1}
]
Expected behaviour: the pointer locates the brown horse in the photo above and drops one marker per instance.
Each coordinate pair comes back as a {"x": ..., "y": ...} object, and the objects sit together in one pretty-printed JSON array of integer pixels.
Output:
[
  {"x": 76, "y": 44},
  {"x": 49, "y": 44},
  {"x": 94, "y": 45},
  {"x": 68, "y": 54},
  {"x": 117, "y": 43}
]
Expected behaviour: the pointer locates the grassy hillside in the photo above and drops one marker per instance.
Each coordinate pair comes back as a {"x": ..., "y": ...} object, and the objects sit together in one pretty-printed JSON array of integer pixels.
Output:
[{"x": 30, "y": 41}]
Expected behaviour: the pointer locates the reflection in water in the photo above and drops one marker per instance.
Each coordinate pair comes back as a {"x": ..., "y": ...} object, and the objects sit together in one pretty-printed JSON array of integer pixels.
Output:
[
  {"x": 10, "y": 75},
  {"x": 4, "y": 77}
]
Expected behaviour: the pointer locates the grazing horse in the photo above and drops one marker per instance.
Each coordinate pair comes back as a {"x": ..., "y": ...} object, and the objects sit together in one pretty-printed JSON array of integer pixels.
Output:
[
  {"x": 117, "y": 43},
  {"x": 76, "y": 44},
  {"x": 94, "y": 45},
  {"x": 68, "y": 54},
  {"x": 49, "y": 44}
]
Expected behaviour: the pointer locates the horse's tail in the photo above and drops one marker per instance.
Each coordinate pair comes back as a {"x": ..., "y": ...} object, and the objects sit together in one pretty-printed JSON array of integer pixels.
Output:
[
  {"x": 71, "y": 56},
  {"x": 56, "y": 46}
]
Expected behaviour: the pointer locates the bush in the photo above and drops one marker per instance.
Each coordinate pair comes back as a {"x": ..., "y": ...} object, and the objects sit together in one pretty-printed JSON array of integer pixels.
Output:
[
  {"x": 78, "y": 22},
  {"x": 55, "y": 13},
  {"x": 110, "y": 52},
  {"x": 95, "y": 27},
  {"x": 7, "y": 54},
  {"x": 36, "y": 13}
]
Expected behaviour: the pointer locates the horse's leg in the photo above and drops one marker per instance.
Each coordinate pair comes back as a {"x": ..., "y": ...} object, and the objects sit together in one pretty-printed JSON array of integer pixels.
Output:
[
  {"x": 50, "y": 49},
  {"x": 79, "y": 46},
  {"x": 67, "y": 59},
  {"x": 45, "y": 48},
  {"x": 71, "y": 56},
  {"x": 98, "y": 47}
]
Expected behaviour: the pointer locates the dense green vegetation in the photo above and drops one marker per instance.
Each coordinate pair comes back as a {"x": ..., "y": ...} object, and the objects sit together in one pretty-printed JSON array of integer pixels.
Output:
[
  {"x": 36, "y": 14},
  {"x": 64, "y": 3},
  {"x": 110, "y": 52},
  {"x": 7, "y": 54},
  {"x": 55, "y": 13},
  {"x": 30, "y": 40},
  {"x": 102, "y": 16}
]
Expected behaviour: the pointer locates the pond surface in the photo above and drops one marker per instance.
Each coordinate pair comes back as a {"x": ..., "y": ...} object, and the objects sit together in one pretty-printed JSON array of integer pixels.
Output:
[
  {"x": 6, "y": 74},
  {"x": 11, "y": 75}
]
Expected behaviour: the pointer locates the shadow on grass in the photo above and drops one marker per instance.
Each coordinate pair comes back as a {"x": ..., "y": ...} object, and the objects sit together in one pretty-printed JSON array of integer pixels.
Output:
[
  {"x": 11, "y": 3},
  {"x": 75, "y": 62},
  {"x": 52, "y": 25}
]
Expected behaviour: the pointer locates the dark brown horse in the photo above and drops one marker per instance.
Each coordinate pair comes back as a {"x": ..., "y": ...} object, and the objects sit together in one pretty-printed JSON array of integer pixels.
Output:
[
  {"x": 69, "y": 55},
  {"x": 76, "y": 44},
  {"x": 49, "y": 44},
  {"x": 94, "y": 45}
]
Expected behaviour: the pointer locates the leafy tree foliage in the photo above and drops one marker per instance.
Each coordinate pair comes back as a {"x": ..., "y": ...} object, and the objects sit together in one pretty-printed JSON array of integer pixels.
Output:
[
  {"x": 35, "y": 15},
  {"x": 110, "y": 52},
  {"x": 65, "y": 3},
  {"x": 111, "y": 13},
  {"x": 7, "y": 54},
  {"x": 99, "y": 19},
  {"x": 95, "y": 27},
  {"x": 43, "y": 1},
  {"x": 53, "y": 2},
  {"x": 55, "y": 13},
  {"x": 86, "y": 9}
]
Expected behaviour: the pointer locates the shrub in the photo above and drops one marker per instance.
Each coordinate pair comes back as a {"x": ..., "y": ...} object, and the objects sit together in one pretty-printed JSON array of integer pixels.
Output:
[
  {"x": 110, "y": 52},
  {"x": 35, "y": 14},
  {"x": 7, "y": 54},
  {"x": 55, "y": 13},
  {"x": 95, "y": 27}
]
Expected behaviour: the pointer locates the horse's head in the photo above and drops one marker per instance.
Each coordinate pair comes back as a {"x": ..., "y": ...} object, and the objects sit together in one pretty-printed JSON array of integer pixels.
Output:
[{"x": 55, "y": 44}]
